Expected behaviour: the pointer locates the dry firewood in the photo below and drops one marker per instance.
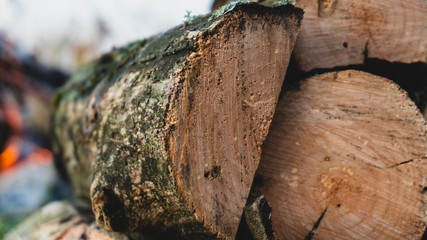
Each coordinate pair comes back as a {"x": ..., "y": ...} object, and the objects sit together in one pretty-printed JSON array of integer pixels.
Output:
[
  {"x": 61, "y": 221},
  {"x": 346, "y": 32},
  {"x": 346, "y": 158},
  {"x": 166, "y": 133}
]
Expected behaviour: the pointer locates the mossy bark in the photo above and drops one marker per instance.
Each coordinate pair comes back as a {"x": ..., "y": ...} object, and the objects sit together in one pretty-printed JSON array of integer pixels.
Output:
[
  {"x": 108, "y": 132},
  {"x": 112, "y": 122},
  {"x": 62, "y": 220},
  {"x": 258, "y": 219}
]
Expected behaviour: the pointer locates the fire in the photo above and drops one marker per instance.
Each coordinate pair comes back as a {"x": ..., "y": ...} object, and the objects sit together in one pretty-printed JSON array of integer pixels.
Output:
[
  {"x": 9, "y": 156},
  {"x": 18, "y": 144}
]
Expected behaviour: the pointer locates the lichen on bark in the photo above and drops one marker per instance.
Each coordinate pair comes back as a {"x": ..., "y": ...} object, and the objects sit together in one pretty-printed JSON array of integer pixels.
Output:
[
  {"x": 258, "y": 219},
  {"x": 111, "y": 122},
  {"x": 133, "y": 83}
]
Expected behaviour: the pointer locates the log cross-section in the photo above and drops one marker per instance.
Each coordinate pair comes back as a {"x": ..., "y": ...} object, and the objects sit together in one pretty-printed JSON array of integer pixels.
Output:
[
  {"x": 346, "y": 158},
  {"x": 166, "y": 133},
  {"x": 347, "y": 32},
  {"x": 344, "y": 32}
]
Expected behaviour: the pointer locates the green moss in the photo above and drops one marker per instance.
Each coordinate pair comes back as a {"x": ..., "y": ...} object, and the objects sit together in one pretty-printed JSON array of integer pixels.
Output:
[
  {"x": 276, "y": 3},
  {"x": 227, "y": 8},
  {"x": 257, "y": 216},
  {"x": 188, "y": 18},
  {"x": 56, "y": 98}
]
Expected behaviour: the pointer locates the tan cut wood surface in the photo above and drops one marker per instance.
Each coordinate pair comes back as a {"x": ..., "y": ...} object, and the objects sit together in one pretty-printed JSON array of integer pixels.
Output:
[
  {"x": 225, "y": 113},
  {"x": 346, "y": 158},
  {"x": 346, "y": 32}
]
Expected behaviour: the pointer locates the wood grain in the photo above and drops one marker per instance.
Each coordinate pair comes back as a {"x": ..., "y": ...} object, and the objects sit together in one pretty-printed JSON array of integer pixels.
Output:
[
  {"x": 346, "y": 158},
  {"x": 225, "y": 113},
  {"x": 346, "y": 32}
]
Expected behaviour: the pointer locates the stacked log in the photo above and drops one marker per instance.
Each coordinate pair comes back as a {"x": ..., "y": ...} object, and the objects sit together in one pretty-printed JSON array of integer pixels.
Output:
[
  {"x": 346, "y": 158},
  {"x": 347, "y": 32},
  {"x": 387, "y": 38},
  {"x": 170, "y": 136},
  {"x": 61, "y": 221}
]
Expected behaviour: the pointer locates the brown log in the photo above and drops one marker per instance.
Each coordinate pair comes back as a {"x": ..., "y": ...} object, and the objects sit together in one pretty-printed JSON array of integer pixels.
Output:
[
  {"x": 347, "y": 32},
  {"x": 61, "y": 221},
  {"x": 166, "y": 133},
  {"x": 346, "y": 158}
]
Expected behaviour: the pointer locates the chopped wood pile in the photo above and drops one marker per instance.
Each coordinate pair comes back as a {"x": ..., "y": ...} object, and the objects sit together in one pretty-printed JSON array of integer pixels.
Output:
[{"x": 192, "y": 134}]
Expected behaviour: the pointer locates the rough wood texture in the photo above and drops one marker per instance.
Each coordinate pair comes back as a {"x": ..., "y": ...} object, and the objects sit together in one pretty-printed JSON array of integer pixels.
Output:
[
  {"x": 169, "y": 130},
  {"x": 346, "y": 158},
  {"x": 61, "y": 221},
  {"x": 346, "y": 32}
]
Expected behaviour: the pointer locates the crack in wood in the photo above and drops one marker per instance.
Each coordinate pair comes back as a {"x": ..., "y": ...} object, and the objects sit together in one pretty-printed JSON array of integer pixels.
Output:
[
  {"x": 315, "y": 226},
  {"x": 365, "y": 51},
  {"x": 401, "y": 163}
]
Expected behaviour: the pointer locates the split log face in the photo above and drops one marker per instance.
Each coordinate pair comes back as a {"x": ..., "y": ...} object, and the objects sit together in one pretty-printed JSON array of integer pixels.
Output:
[
  {"x": 166, "y": 133},
  {"x": 224, "y": 115},
  {"x": 346, "y": 158},
  {"x": 346, "y": 32}
]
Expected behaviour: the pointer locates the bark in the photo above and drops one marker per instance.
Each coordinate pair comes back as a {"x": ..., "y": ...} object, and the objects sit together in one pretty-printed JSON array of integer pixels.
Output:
[
  {"x": 346, "y": 159},
  {"x": 347, "y": 32},
  {"x": 61, "y": 220},
  {"x": 258, "y": 219},
  {"x": 166, "y": 133}
]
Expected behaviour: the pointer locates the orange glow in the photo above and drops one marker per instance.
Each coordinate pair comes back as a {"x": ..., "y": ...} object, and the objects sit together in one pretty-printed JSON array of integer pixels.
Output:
[
  {"x": 41, "y": 156},
  {"x": 9, "y": 156}
]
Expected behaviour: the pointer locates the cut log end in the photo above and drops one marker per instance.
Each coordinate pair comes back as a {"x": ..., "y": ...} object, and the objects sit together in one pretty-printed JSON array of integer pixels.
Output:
[
  {"x": 230, "y": 90},
  {"x": 346, "y": 32},
  {"x": 346, "y": 158}
]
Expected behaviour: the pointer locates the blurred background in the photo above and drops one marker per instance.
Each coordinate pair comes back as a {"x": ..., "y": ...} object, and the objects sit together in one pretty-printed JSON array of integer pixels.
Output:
[
  {"x": 64, "y": 34},
  {"x": 41, "y": 44}
]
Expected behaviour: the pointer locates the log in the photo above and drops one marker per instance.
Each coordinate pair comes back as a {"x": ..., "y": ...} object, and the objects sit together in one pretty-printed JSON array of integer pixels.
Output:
[
  {"x": 347, "y": 32},
  {"x": 61, "y": 221},
  {"x": 166, "y": 133},
  {"x": 345, "y": 158}
]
